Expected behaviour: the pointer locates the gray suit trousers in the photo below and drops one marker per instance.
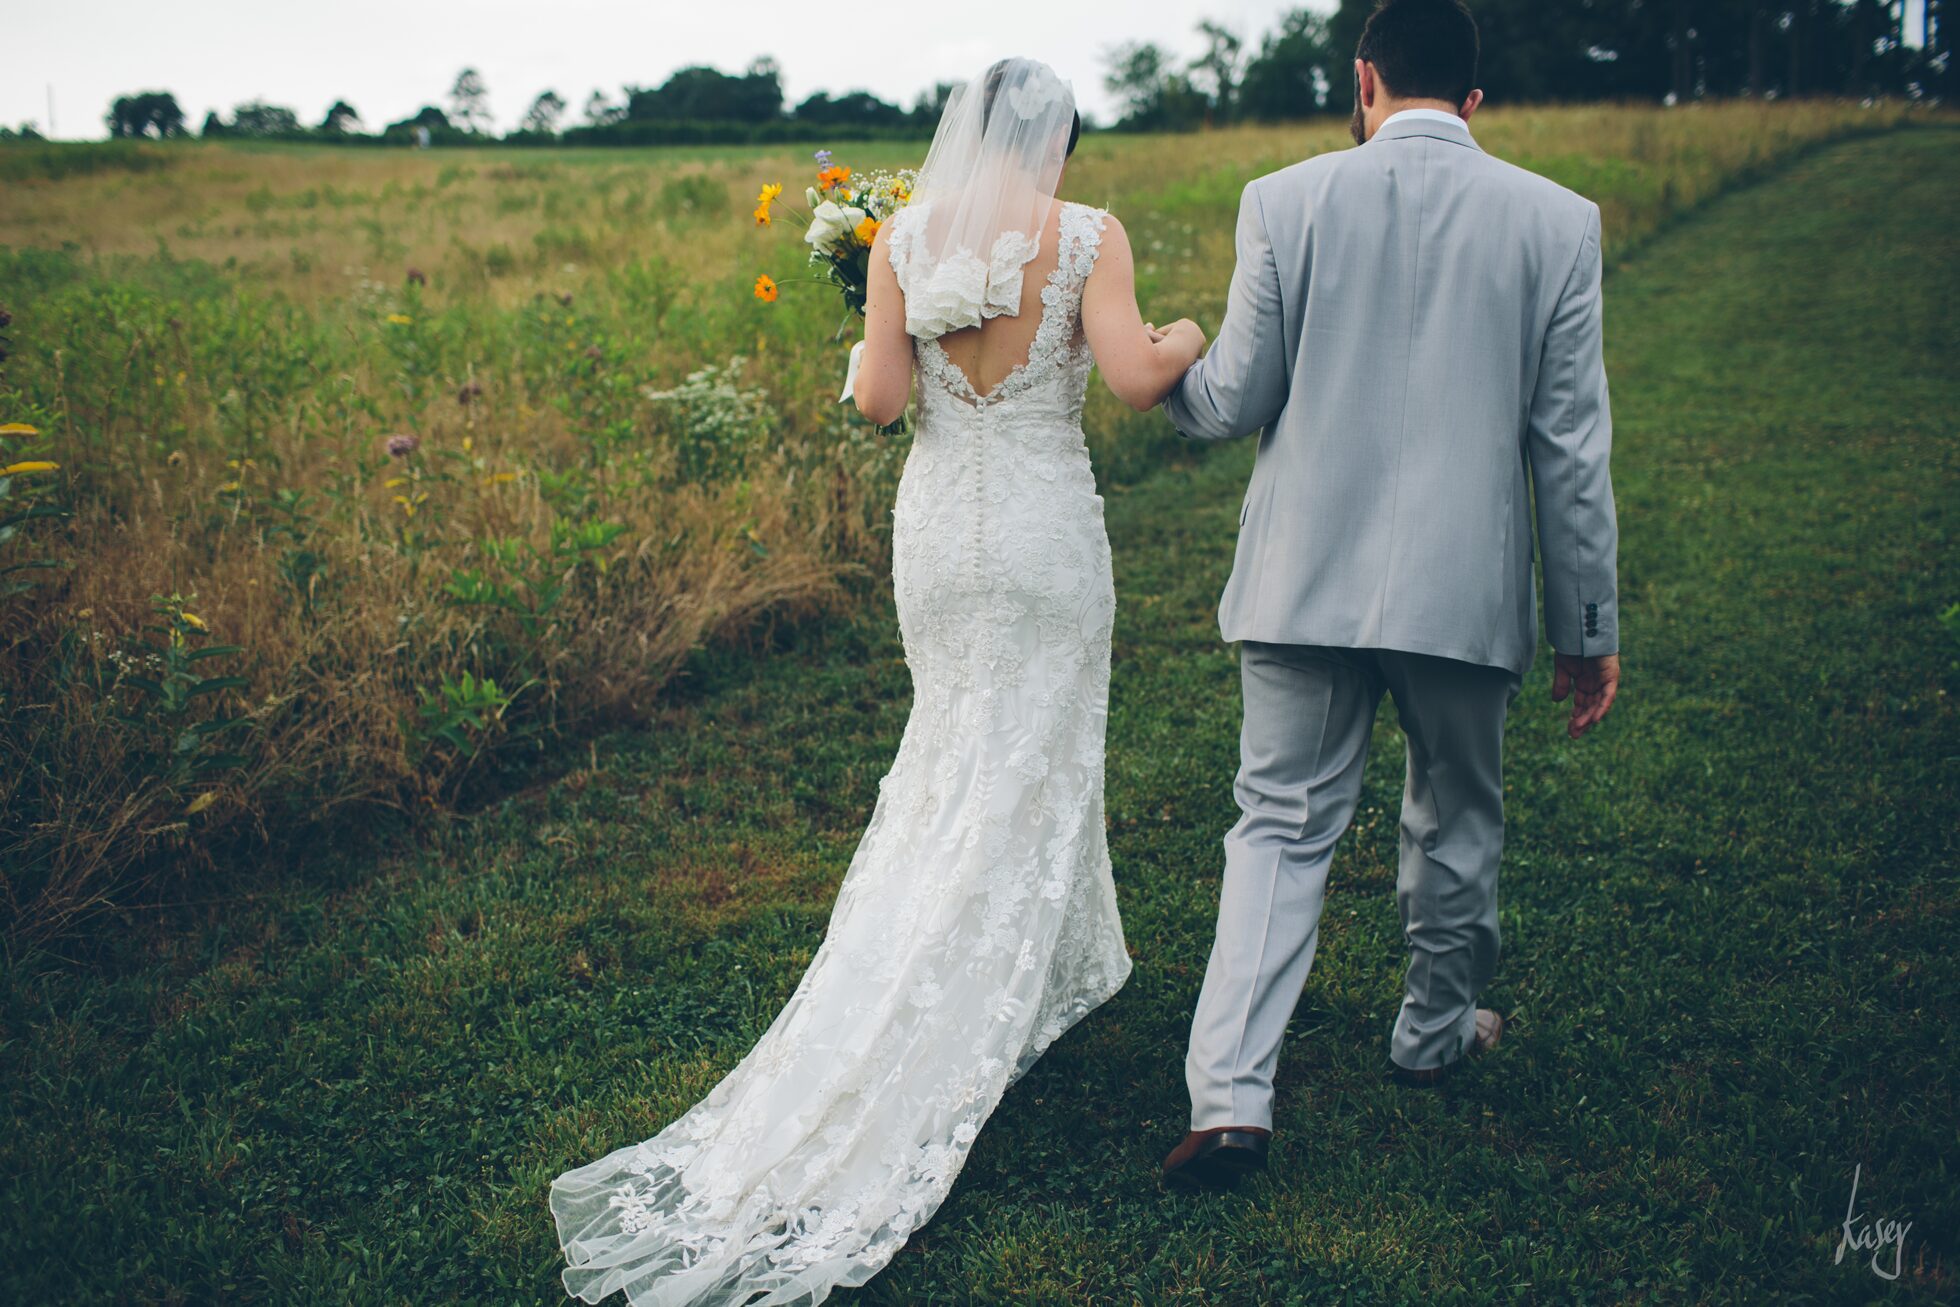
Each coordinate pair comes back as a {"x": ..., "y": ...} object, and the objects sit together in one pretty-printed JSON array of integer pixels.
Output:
[{"x": 1308, "y": 713}]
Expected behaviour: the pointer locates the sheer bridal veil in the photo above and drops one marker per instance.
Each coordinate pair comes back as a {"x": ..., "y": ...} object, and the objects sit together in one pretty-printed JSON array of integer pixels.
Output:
[{"x": 983, "y": 197}]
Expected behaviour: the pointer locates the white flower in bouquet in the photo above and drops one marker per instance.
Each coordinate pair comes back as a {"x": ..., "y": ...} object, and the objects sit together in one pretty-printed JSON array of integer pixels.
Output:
[{"x": 833, "y": 227}]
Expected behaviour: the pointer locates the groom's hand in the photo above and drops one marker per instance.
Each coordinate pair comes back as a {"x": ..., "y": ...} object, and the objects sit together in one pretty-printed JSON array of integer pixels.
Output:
[{"x": 1592, "y": 683}]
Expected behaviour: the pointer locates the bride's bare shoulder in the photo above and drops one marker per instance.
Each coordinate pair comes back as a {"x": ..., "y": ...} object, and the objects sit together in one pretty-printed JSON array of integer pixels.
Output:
[{"x": 1114, "y": 242}]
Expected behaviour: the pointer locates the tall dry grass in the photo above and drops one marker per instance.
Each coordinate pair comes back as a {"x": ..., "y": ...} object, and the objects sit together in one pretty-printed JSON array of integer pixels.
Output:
[{"x": 217, "y": 352}]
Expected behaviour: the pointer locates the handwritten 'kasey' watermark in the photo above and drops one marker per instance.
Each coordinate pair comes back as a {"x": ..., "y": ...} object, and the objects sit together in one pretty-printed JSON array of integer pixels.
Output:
[{"x": 1859, "y": 1236}]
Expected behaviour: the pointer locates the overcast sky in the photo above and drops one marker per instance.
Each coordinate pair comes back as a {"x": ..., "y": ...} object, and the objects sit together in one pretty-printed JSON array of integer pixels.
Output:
[{"x": 389, "y": 59}]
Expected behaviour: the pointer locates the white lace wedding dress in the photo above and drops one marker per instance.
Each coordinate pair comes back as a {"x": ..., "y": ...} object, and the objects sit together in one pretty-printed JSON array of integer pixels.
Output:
[{"x": 977, "y": 920}]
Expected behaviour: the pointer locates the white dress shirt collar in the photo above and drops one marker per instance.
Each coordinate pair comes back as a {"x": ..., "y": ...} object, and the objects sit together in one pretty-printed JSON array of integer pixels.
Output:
[{"x": 1427, "y": 115}]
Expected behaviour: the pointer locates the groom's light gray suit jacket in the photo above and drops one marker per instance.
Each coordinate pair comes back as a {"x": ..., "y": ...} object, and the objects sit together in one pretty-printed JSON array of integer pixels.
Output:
[{"x": 1413, "y": 329}]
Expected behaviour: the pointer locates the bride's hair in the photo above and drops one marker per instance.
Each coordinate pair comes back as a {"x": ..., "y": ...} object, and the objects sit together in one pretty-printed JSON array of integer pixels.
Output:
[{"x": 990, "y": 87}]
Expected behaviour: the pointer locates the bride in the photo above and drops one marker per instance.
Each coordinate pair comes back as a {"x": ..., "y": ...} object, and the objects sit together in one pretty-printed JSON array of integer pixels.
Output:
[{"x": 977, "y": 920}]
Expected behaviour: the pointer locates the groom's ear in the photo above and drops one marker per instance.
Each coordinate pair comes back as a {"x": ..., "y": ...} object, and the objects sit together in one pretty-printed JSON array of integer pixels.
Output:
[
  {"x": 1364, "y": 83},
  {"x": 1470, "y": 104}
]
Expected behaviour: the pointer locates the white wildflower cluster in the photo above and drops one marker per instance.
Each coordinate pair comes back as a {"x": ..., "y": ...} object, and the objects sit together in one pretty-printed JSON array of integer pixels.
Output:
[{"x": 718, "y": 420}]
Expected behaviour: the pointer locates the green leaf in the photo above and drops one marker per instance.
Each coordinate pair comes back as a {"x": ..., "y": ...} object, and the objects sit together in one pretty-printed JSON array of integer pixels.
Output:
[
  {"x": 30, "y": 514},
  {"x": 212, "y": 685}
]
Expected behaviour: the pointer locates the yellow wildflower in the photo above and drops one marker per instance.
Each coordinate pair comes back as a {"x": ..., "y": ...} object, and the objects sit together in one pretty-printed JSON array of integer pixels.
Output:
[
  {"x": 195, "y": 622},
  {"x": 19, "y": 429},
  {"x": 400, "y": 319},
  {"x": 867, "y": 231},
  {"x": 764, "y": 198},
  {"x": 34, "y": 465}
]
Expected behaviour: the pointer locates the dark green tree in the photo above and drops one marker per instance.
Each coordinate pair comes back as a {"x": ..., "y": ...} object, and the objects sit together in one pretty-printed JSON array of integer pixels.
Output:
[
  {"x": 700, "y": 94},
  {"x": 1137, "y": 70},
  {"x": 427, "y": 116},
  {"x": 148, "y": 113},
  {"x": 214, "y": 126},
  {"x": 854, "y": 109},
  {"x": 600, "y": 110},
  {"x": 341, "y": 119},
  {"x": 1294, "y": 70},
  {"x": 542, "y": 117},
  {"x": 1151, "y": 92},
  {"x": 469, "y": 102},
  {"x": 257, "y": 118},
  {"x": 1215, "y": 73}
]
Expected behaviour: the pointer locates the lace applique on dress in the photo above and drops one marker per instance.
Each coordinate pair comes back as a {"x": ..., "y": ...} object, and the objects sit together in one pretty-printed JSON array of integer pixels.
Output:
[{"x": 963, "y": 288}]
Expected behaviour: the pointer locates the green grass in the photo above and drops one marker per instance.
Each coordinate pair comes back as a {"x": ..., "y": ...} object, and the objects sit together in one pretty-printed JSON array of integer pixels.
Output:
[{"x": 1728, "y": 914}]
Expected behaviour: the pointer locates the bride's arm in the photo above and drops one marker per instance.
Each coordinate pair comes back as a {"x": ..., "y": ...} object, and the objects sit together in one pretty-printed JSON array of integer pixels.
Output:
[
  {"x": 1139, "y": 365},
  {"x": 884, "y": 379}
]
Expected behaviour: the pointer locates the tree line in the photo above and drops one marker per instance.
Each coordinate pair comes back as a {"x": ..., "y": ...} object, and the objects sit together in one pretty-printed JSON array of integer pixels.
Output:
[
  {"x": 695, "y": 105},
  {"x": 1674, "y": 51}
]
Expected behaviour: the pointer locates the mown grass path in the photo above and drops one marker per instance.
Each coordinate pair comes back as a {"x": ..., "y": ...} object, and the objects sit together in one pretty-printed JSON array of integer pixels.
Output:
[{"x": 1728, "y": 915}]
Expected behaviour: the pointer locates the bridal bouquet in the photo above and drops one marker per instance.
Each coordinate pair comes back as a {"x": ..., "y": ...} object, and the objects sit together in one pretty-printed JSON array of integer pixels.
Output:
[{"x": 846, "y": 210}]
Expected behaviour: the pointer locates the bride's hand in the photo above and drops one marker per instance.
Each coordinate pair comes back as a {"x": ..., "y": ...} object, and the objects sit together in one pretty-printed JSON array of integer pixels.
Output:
[{"x": 1184, "y": 335}]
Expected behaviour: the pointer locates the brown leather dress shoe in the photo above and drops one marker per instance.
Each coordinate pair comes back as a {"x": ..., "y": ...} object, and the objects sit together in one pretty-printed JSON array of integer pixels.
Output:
[
  {"x": 1490, "y": 1029},
  {"x": 1217, "y": 1158}
]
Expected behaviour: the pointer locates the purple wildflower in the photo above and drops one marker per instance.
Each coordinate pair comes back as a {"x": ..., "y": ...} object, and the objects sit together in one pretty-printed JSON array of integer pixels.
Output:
[
  {"x": 401, "y": 445},
  {"x": 823, "y": 158}
]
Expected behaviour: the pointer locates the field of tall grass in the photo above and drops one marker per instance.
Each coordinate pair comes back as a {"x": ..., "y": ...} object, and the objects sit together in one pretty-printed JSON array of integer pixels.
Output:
[{"x": 372, "y": 471}]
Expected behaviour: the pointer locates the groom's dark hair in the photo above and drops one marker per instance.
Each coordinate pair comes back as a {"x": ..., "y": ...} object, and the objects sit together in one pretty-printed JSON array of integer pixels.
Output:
[{"x": 1423, "y": 49}]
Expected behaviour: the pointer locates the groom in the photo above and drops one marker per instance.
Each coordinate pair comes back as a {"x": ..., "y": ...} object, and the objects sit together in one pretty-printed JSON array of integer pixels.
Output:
[{"x": 1413, "y": 327}]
